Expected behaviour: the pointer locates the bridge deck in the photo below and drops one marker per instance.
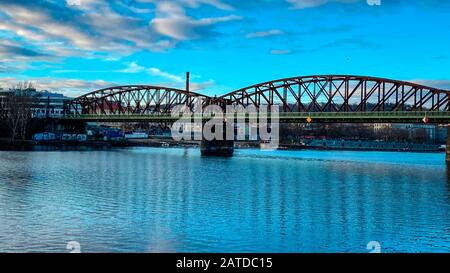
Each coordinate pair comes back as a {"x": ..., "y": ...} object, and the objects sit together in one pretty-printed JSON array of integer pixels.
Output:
[{"x": 316, "y": 117}]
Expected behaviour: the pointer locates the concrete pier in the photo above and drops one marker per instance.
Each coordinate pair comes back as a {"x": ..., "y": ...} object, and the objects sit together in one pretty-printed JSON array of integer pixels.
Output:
[
  {"x": 447, "y": 148},
  {"x": 217, "y": 147}
]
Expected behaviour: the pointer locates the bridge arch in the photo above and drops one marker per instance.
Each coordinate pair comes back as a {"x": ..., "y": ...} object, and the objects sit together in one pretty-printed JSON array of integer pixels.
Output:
[
  {"x": 134, "y": 100},
  {"x": 342, "y": 93}
]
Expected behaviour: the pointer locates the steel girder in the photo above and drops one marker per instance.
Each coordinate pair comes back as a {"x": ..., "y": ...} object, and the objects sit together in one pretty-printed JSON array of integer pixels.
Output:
[
  {"x": 320, "y": 93},
  {"x": 134, "y": 100},
  {"x": 342, "y": 93}
]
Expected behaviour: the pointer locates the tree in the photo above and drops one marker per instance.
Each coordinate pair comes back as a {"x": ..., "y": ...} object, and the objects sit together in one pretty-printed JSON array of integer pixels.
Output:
[
  {"x": 420, "y": 135},
  {"x": 19, "y": 106},
  {"x": 291, "y": 131}
]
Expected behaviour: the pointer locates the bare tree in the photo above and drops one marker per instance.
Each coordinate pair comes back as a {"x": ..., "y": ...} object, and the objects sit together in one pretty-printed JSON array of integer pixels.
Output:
[
  {"x": 420, "y": 135},
  {"x": 19, "y": 107}
]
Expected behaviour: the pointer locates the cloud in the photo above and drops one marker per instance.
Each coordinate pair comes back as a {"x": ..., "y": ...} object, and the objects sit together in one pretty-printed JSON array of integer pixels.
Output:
[
  {"x": 158, "y": 73},
  {"x": 8, "y": 67},
  {"x": 77, "y": 87},
  {"x": 174, "y": 80},
  {"x": 69, "y": 31},
  {"x": 304, "y": 4},
  {"x": 69, "y": 87},
  {"x": 133, "y": 67},
  {"x": 13, "y": 51},
  {"x": 99, "y": 26},
  {"x": 441, "y": 84},
  {"x": 215, "y": 3},
  {"x": 16, "y": 58},
  {"x": 280, "y": 51},
  {"x": 171, "y": 21},
  {"x": 259, "y": 34},
  {"x": 198, "y": 86}
]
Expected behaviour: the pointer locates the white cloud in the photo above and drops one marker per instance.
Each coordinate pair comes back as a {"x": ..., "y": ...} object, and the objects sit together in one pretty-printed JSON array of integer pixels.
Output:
[
  {"x": 133, "y": 67},
  {"x": 73, "y": 2},
  {"x": 198, "y": 86},
  {"x": 171, "y": 21},
  {"x": 259, "y": 34},
  {"x": 12, "y": 67},
  {"x": 304, "y": 4},
  {"x": 69, "y": 87},
  {"x": 215, "y": 3},
  {"x": 174, "y": 80},
  {"x": 440, "y": 84},
  {"x": 94, "y": 26},
  {"x": 158, "y": 73}
]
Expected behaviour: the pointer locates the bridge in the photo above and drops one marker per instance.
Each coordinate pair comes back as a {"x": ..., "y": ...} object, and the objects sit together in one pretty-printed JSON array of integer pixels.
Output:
[
  {"x": 319, "y": 98},
  {"x": 303, "y": 99}
]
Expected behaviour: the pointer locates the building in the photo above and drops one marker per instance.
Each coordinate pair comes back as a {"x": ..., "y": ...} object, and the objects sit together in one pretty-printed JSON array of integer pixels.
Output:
[
  {"x": 2, "y": 103},
  {"x": 49, "y": 105},
  {"x": 45, "y": 105},
  {"x": 380, "y": 127},
  {"x": 432, "y": 130}
]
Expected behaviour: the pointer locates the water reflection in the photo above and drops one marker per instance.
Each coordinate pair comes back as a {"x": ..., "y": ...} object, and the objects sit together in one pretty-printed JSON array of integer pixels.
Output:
[
  {"x": 153, "y": 200},
  {"x": 448, "y": 172}
]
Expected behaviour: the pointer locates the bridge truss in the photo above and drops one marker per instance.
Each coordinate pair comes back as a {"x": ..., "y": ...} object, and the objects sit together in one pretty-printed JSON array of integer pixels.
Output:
[
  {"x": 342, "y": 94},
  {"x": 330, "y": 98},
  {"x": 134, "y": 100}
]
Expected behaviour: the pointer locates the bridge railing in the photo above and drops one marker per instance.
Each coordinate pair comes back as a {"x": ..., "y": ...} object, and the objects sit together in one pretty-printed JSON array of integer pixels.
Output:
[
  {"x": 281, "y": 115},
  {"x": 370, "y": 114}
]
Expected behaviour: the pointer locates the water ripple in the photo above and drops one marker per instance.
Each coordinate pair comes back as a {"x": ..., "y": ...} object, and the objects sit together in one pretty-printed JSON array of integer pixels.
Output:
[{"x": 169, "y": 200}]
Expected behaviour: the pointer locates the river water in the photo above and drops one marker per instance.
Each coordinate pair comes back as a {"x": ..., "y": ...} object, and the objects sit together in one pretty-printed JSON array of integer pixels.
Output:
[{"x": 174, "y": 200}]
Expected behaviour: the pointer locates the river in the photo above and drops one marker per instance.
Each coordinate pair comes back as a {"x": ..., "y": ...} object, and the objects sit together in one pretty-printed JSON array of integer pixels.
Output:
[{"x": 174, "y": 200}]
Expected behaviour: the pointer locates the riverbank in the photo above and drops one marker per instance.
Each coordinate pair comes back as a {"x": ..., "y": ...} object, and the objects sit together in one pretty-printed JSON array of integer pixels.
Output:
[
  {"x": 341, "y": 145},
  {"x": 28, "y": 145}
]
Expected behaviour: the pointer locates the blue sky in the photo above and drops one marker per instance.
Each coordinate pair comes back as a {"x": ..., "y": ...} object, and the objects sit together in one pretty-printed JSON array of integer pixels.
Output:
[{"x": 77, "y": 46}]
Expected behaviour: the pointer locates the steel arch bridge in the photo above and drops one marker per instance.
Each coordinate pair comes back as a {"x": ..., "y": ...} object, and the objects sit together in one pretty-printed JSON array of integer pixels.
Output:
[
  {"x": 342, "y": 93},
  {"x": 134, "y": 100},
  {"x": 324, "y": 98}
]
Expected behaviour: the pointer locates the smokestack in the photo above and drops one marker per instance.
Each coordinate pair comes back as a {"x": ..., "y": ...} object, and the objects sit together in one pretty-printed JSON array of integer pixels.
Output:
[{"x": 187, "y": 81}]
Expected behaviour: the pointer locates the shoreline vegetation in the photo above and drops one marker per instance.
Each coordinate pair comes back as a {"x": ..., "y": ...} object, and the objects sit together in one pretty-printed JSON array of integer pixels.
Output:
[{"x": 29, "y": 145}]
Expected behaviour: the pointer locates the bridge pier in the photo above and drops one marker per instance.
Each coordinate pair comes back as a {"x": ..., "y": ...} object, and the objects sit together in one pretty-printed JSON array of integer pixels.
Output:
[
  {"x": 215, "y": 147},
  {"x": 447, "y": 146}
]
